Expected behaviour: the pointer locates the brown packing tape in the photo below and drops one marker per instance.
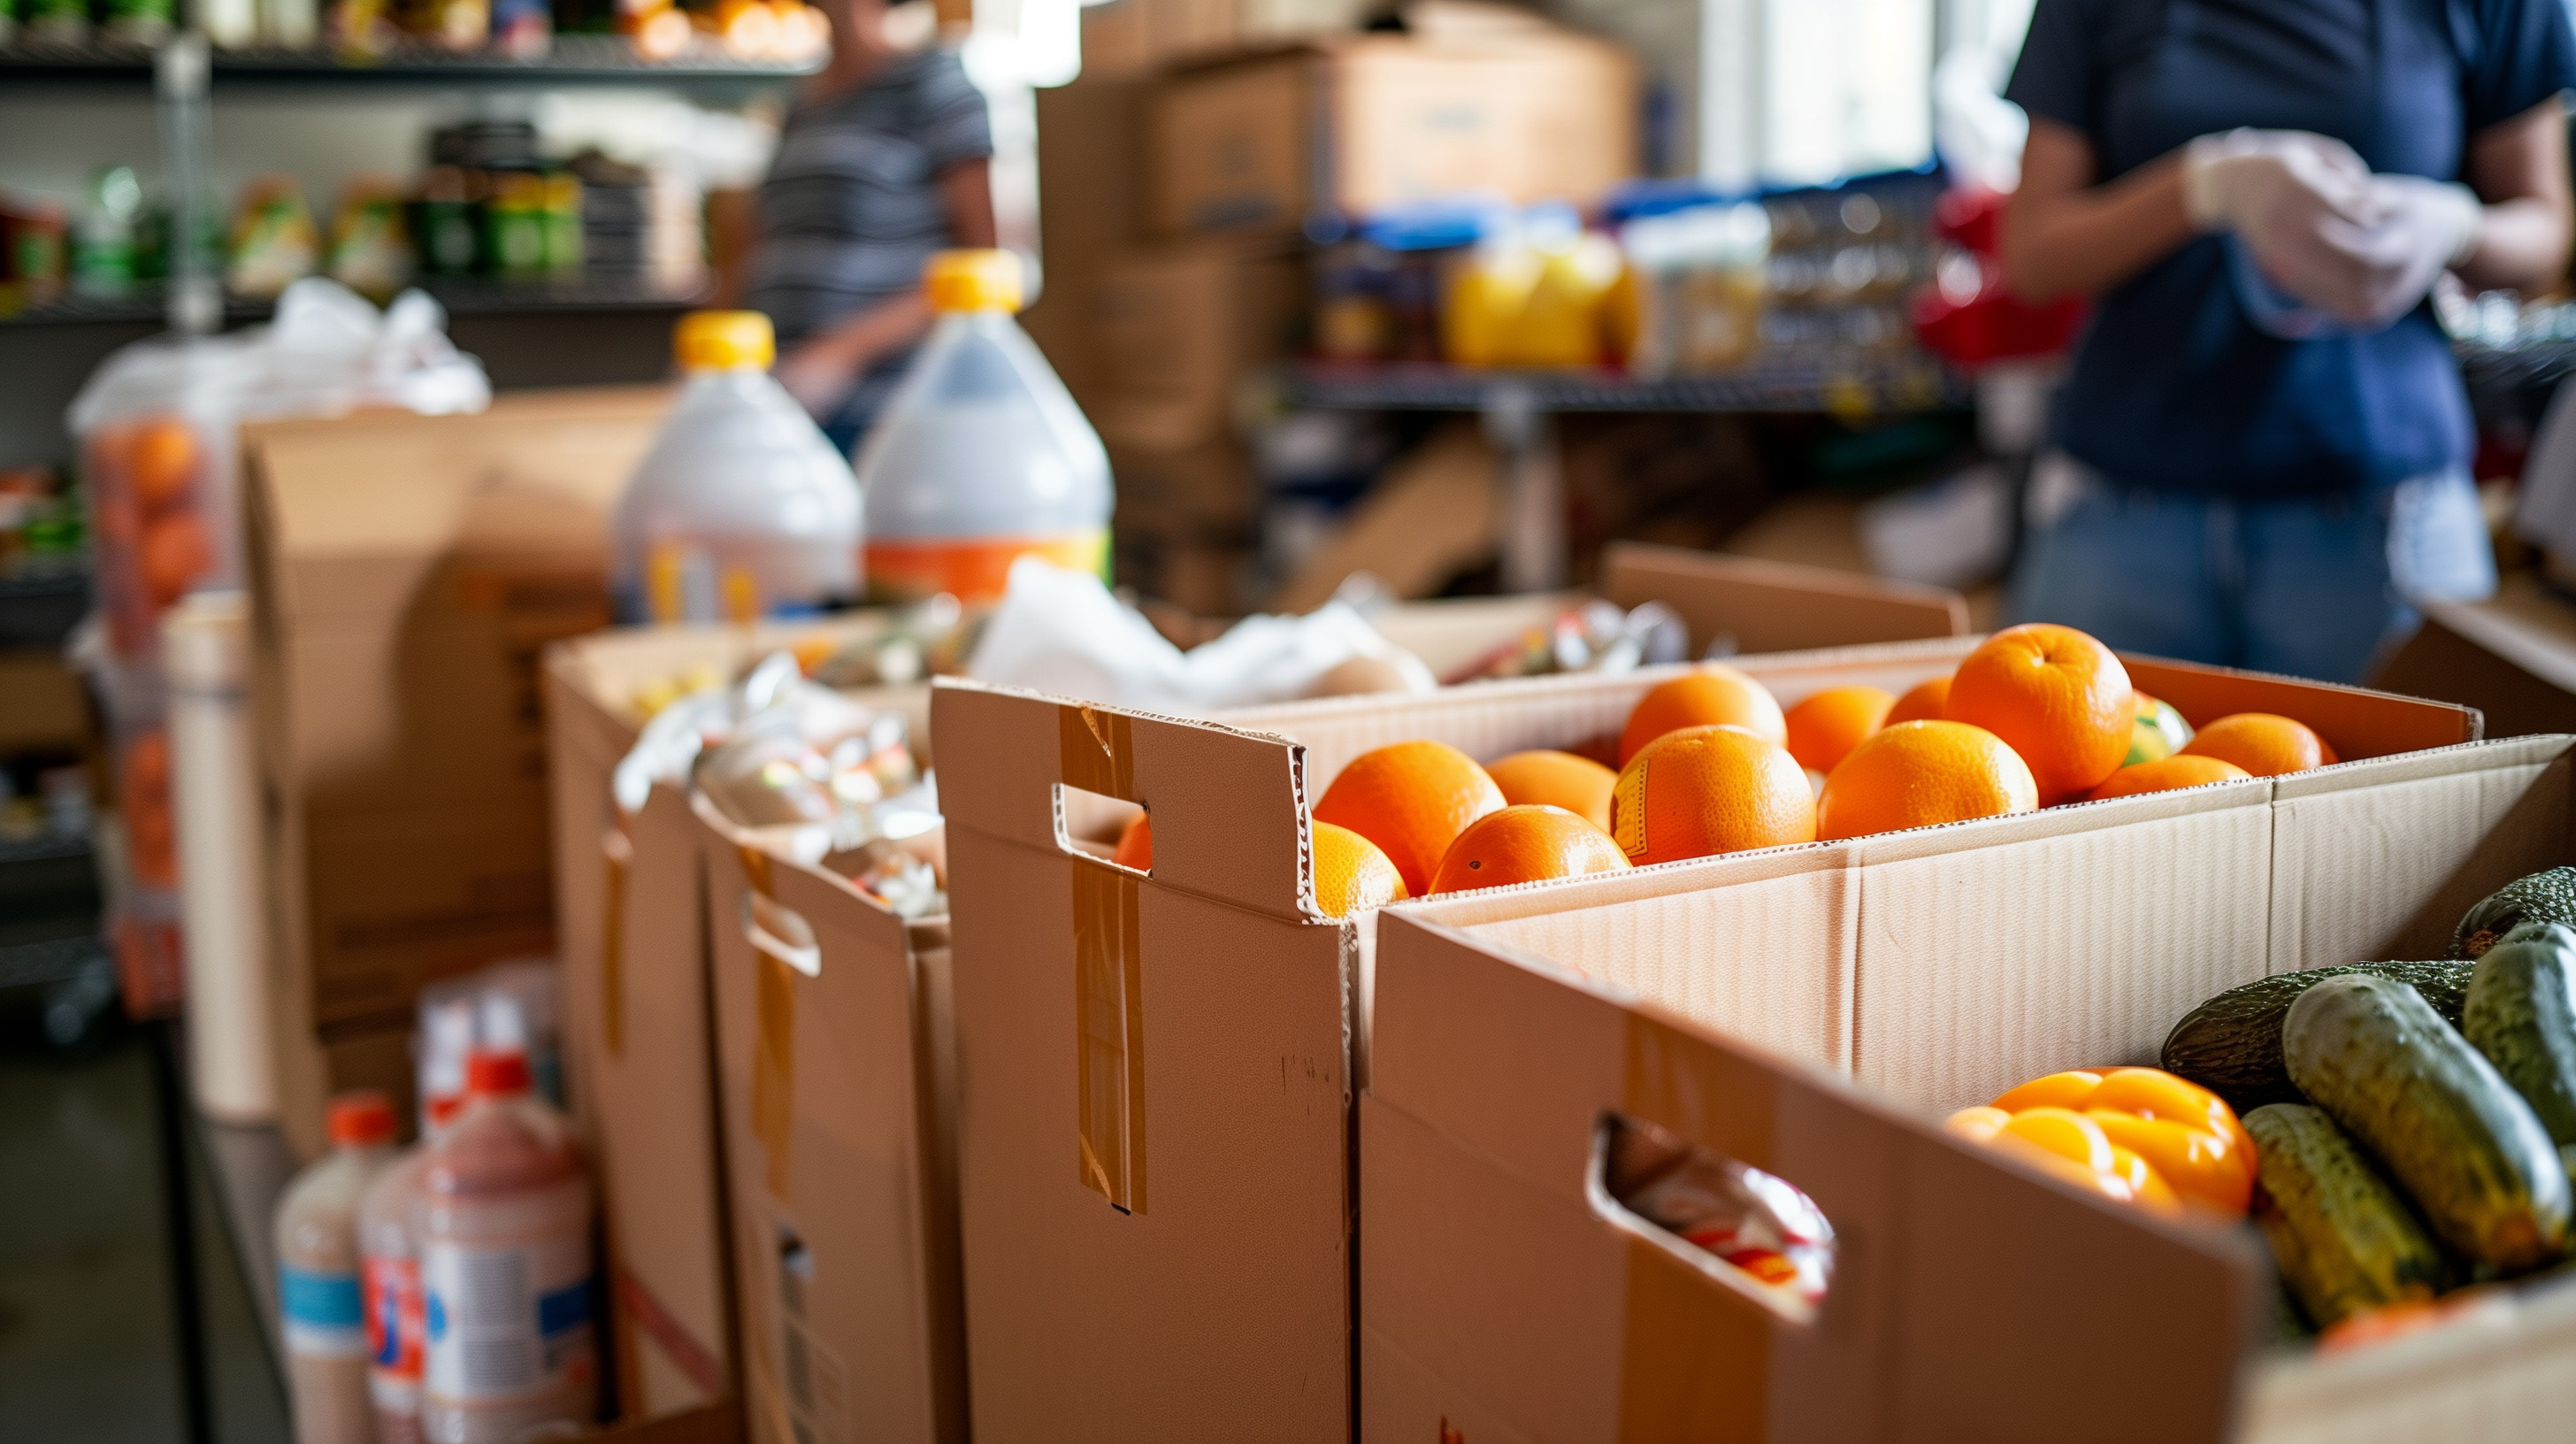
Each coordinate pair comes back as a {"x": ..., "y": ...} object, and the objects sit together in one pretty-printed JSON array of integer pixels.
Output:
[
  {"x": 637, "y": 1305},
  {"x": 619, "y": 854},
  {"x": 1676, "y": 1320},
  {"x": 773, "y": 1054},
  {"x": 1097, "y": 755}
]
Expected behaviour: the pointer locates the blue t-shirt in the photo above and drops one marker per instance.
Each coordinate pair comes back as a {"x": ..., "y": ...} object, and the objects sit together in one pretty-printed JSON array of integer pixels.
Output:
[{"x": 2172, "y": 387}]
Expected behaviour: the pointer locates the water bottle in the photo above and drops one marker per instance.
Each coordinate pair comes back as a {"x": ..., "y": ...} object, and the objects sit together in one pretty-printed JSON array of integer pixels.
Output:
[
  {"x": 980, "y": 457},
  {"x": 503, "y": 1217},
  {"x": 318, "y": 1293},
  {"x": 742, "y": 509}
]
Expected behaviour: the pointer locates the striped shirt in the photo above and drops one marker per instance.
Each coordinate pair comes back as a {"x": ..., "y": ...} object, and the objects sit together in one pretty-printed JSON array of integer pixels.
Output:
[{"x": 850, "y": 209}]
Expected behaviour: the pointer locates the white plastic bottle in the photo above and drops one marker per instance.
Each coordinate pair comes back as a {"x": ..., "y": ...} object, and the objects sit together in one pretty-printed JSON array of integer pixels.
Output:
[
  {"x": 389, "y": 1278},
  {"x": 980, "y": 457},
  {"x": 318, "y": 1294},
  {"x": 742, "y": 509},
  {"x": 503, "y": 1215}
]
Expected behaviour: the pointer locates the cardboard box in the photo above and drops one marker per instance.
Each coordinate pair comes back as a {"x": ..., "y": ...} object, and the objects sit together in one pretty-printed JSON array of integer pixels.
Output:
[
  {"x": 2512, "y": 657},
  {"x": 1091, "y": 172},
  {"x": 638, "y": 1037},
  {"x": 1815, "y": 1013},
  {"x": 840, "y": 1160},
  {"x": 1157, "y": 1196},
  {"x": 1361, "y": 123},
  {"x": 1178, "y": 327},
  {"x": 1127, "y": 38},
  {"x": 405, "y": 575}
]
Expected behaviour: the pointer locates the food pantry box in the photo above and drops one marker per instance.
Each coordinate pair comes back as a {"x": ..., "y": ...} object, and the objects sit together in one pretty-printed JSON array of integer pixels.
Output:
[
  {"x": 1155, "y": 1165},
  {"x": 1814, "y": 1013},
  {"x": 837, "y": 1073},
  {"x": 631, "y": 932}
]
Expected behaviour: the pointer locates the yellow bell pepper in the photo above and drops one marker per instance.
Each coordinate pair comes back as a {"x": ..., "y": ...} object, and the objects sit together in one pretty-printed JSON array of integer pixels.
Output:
[{"x": 2156, "y": 1139}]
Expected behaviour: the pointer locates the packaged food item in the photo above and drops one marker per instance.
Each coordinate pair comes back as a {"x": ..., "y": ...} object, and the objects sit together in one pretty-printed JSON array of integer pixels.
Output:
[
  {"x": 1775, "y": 1243},
  {"x": 1700, "y": 287},
  {"x": 319, "y": 1294},
  {"x": 981, "y": 456},
  {"x": 361, "y": 29},
  {"x": 514, "y": 224},
  {"x": 443, "y": 224},
  {"x": 503, "y": 1214},
  {"x": 103, "y": 241},
  {"x": 293, "y": 24},
  {"x": 273, "y": 244},
  {"x": 139, "y": 22},
  {"x": 452, "y": 24},
  {"x": 38, "y": 239},
  {"x": 56, "y": 22},
  {"x": 370, "y": 246},
  {"x": 523, "y": 29},
  {"x": 561, "y": 217},
  {"x": 742, "y": 509}
]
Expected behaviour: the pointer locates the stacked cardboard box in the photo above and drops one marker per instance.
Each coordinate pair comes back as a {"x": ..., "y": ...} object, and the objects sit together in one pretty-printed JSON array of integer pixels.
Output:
[{"x": 406, "y": 573}]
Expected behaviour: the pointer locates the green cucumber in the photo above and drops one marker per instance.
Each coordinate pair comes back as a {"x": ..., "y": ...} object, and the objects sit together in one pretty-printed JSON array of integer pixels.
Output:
[
  {"x": 2522, "y": 1015},
  {"x": 2231, "y": 1045},
  {"x": 2342, "y": 1235},
  {"x": 2447, "y": 1127},
  {"x": 2548, "y": 897}
]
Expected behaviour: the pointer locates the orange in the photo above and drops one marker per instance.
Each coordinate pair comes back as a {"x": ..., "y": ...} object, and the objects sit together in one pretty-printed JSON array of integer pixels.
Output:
[
  {"x": 176, "y": 551},
  {"x": 1826, "y": 727},
  {"x": 2054, "y": 695},
  {"x": 1923, "y": 704},
  {"x": 1708, "y": 694},
  {"x": 1556, "y": 779},
  {"x": 1915, "y": 774},
  {"x": 1706, "y": 790},
  {"x": 161, "y": 459},
  {"x": 1351, "y": 874},
  {"x": 1525, "y": 843},
  {"x": 2262, "y": 743},
  {"x": 2164, "y": 775},
  {"x": 1136, "y": 843},
  {"x": 1412, "y": 799}
]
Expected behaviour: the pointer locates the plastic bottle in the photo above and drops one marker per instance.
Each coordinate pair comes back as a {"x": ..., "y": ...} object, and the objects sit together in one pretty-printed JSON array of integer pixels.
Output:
[
  {"x": 389, "y": 1254},
  {"x": 319, "y": 1298},
  {"x": 742, "y": 509},
  {"x": 980, "y": 457},
  {"x": 503, "y": 1215}
]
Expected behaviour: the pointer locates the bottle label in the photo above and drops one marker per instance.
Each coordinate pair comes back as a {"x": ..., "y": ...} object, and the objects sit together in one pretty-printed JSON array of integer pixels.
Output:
[
  {"x": 394, "y": 1325},
  {"x": 977, "y": 569},
  {"x": 506, "y": 1319},
  {"x": 322, "y": 1314}
]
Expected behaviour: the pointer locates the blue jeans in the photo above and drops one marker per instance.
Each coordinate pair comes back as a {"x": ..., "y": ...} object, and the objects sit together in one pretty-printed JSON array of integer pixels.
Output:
[{"x": 2306, "y": 586}]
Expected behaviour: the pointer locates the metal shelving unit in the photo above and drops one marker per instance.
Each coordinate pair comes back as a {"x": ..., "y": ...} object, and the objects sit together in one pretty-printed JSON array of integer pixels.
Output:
[
  {"x": 461, "y": 295},
  {"x": 574, "y": 60}
]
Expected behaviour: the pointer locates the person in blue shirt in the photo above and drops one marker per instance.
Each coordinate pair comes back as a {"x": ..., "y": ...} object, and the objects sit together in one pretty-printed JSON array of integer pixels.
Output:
[{"x": 2260, "y": 452}]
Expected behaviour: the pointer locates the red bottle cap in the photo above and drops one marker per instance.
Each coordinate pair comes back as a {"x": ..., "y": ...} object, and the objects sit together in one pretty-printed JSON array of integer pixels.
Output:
[
  {"x": 360, "y": 1117},
  {"x": 495, "y": 1073}
]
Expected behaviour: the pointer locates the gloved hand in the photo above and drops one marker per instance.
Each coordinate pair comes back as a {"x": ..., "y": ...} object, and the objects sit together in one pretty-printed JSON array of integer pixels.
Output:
[
  {"x": 2277, "y": 189},
  {"x": 2412, "y": 230}
]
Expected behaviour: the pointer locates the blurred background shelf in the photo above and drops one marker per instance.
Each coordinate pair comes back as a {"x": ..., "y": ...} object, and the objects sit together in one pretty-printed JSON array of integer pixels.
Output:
[
  {"x": 1843, "y": 385},
  {"x": 574, "y": 60},
  {"x": 461, "y": 295}
]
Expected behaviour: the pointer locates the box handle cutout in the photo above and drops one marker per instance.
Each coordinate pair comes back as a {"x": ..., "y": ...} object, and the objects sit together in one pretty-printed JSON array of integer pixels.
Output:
[
  {"x": 1754, "y": 1233},
  {"x": 781, "y": 933},
  {"x": 1089, "y": 825}
]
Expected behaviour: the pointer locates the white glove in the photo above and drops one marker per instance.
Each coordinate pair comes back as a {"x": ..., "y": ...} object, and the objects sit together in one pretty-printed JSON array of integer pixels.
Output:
[
  {"x": 2277, "y": 189},
  {"x": 2413, "y": 229}
]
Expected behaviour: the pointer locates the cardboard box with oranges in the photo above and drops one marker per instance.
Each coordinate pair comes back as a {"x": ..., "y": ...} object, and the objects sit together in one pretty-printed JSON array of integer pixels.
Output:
[{"x": 1157, "y": 1068}]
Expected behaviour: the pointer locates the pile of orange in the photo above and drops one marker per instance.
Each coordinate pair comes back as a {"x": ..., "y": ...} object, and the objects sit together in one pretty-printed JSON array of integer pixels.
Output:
[
  {"x": 154, "y": 541},
  {"x": 2037, "y": 715}
]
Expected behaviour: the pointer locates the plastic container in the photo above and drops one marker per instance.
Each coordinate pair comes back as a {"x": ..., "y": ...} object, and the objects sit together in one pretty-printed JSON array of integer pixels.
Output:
[
  {"x": 389, "y": 1252},
  {"x": 980, "y": 457},
  {"x": 503, "y": 1215},
  {"x": 320, "y": 1299},
  {"x": 214, "y": 776},
  {"x": 742, "y": 509}
]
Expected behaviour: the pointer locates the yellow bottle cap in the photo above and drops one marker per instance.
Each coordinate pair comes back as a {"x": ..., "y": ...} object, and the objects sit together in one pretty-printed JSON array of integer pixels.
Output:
[
  {"x": 973, "y": 281},
  {"x": 723, "y": 340}
]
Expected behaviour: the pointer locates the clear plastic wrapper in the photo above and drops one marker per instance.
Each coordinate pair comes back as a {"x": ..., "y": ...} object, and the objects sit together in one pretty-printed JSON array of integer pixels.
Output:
[{"x": 1757, "y": 1223}]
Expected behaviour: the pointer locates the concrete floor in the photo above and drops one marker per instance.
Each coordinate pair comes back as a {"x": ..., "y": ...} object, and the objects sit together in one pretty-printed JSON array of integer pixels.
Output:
[{"x": 89, "y": 1329}]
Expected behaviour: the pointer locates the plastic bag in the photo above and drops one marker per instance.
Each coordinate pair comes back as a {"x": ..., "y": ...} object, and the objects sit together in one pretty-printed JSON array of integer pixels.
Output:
[{"x": 1061, "y": 631}]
